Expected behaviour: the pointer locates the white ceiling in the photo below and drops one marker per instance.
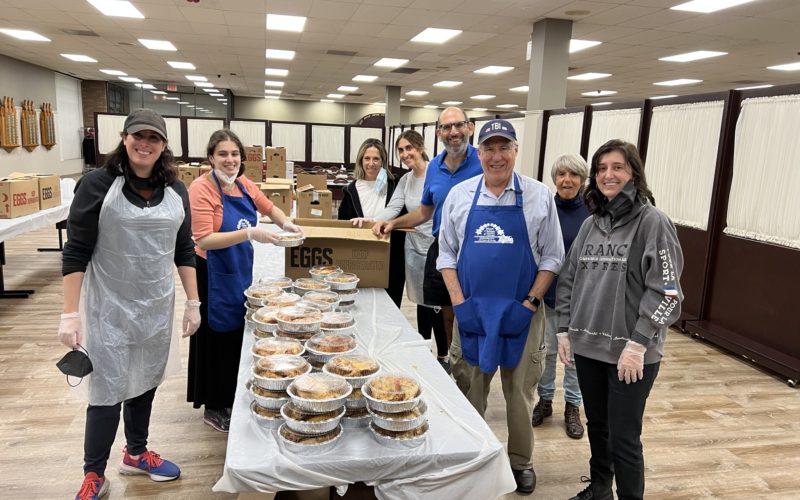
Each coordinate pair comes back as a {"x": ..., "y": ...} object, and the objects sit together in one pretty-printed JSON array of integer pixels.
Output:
[{"x": 228, "y": 38}]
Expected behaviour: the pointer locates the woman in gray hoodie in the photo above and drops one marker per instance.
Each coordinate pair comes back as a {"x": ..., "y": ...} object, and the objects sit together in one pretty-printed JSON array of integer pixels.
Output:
[{"x": 618, "y": 293}]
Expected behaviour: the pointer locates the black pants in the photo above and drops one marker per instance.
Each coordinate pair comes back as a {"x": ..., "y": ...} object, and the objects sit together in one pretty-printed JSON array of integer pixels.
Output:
[
  {"x": 614, "y": 412},
  {"x": 428, "y": 319},
  {"x": 101, "y": 428},
  {"x": 434, "y": 290}
]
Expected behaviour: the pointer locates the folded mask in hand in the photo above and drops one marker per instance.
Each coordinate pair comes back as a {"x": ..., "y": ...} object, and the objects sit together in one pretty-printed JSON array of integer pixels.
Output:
[{"x": 76, "y": 364}]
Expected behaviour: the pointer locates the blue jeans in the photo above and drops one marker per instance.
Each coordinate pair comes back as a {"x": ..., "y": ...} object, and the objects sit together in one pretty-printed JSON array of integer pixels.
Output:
[{"x": 547, "y": 384}]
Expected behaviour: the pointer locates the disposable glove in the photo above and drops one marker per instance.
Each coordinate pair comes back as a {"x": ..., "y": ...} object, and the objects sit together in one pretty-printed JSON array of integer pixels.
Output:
[
  {"x": 564, "y": 348},
  {"x": 191, "y": 317},
  {"x": 290, "y": 227},
  {"x": 70, "y": 330},
  {"x": 261, "y": 235},
  {"x": 630, "y": 366}
]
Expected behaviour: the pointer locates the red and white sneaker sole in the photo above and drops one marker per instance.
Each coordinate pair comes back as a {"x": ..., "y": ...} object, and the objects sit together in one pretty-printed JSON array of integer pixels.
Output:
[{"x": 129, "y": 470}]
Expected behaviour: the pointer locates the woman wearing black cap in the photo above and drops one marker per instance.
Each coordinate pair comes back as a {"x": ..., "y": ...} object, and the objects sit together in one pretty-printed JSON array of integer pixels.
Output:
[{"x": 128, "y": 225}]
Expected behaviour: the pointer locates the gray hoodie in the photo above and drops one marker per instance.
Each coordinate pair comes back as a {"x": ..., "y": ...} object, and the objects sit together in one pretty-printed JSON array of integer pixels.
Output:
[{"x": 621, "y": 280}]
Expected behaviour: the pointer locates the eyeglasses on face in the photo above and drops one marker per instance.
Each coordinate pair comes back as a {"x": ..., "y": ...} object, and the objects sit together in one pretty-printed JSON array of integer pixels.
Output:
[{"x": 446, "y": 127}]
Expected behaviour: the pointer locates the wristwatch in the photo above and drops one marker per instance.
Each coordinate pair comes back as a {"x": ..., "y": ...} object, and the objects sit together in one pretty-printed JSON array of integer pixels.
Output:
[{"x": 533, "y": 299}]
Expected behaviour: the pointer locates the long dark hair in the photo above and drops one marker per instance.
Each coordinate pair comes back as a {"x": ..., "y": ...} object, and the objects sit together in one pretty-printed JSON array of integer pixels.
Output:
[
  {"x": 595, "y": 200},
  {"x": 416, "y": 140},
  {"x": 164, "y": 172},
  {"x": 223, "y": 135}
]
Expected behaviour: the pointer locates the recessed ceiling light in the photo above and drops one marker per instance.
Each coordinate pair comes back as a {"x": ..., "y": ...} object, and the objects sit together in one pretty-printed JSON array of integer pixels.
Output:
[
  {"x": 113, "y": 72},
  {"x": 588, "y": 76},
  {"x": 493, "y": 70},
  {"x": 158, "y": 92},
  {"x": 285, "y": 23},
  {"x": 224, "y": 103},
  {"x": 181, "y": 65},
  {"x": 157, "y": 44},
  {"x": 606, "y": 103},
  {"x": 273, "y": 83},
  {"x": 217, "y": 94},
  {"x": 222, "y": 100},
  {"x": 286, "y": 55},
  {"x": 364, "y": 78},
  {"x": 521, "y": 88},
  {"x": 335, "y": 96},
  {"x": 347, "y": 88},
  {"x": 79, "y": 58},
  {"x": 507, "y": 106},
  {"x": 145, "y": 86},
  {"x": 786, "y": 67},
  {"x": 116, "y": 8},
  {"x": 708, "y": 6},
  {"x": 204, "y": 84},
  {"x": 478, "y": 109},
  {"x": 452, "y": 103},
  {"x": 447, "y": 83},
  {"x": 692, "y": 56},
  {"x": 210, "y": 90},
  {"x": 417, "y": 92},
  {"x": 482, "y": 97},
  {"x": 25, "y": 35},
  {"x": 576, "y": 45},
  {"x": 656, "y": 97},
  {"x": 172, "y": 98},
  {"x": 435, "y": 35},
  {"x": 273, "y": 91},
  {"x": 430, "y": 106},
  {"x": 276, "y": 72},
  {"x": 196, "y": 78},
  {"x": 271, "y": 97},
  {"x": 190, "y": 106},
  {"x": 388, "y": 62},
  {"x": 754, "y": 87},
  {"x": 326, "y": 100},
  {"x": 183, "y": 102},
  {"x": 402, "y": 99},
  {"x": 599, "y": 93},
  {"x": 679, "y": 81},
  {"x": 130, "y": 79}
]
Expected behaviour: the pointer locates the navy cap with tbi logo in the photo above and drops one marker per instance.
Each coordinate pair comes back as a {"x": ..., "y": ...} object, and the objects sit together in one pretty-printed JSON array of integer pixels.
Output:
[{"x": 497, "y": 128}]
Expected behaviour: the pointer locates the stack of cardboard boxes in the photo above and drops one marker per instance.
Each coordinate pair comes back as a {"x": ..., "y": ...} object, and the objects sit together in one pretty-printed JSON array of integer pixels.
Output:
[
  {"x": 25, "y": 194},
  {"x": 314, "y": 200}
]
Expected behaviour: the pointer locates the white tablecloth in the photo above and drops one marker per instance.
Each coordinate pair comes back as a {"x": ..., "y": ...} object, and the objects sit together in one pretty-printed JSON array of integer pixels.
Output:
[
  {"x": 460, "y": 459},
  {"x": 9, "y": 228}
]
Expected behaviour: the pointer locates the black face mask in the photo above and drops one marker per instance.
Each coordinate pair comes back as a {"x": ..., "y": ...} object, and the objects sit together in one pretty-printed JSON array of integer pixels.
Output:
[{"x": 76, "y": 364}]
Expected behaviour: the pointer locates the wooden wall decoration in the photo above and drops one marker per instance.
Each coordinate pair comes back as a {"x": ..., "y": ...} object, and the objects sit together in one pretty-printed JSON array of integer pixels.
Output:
[
  {"x": 9, "y": 137},
  {"x": 47, "y": 125},
  {"x": 30, "y": 133}
]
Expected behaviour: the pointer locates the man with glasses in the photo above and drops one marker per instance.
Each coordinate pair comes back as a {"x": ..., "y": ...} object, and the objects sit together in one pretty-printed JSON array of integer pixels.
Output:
[
  {"x": 458, "y": 162},
  {"x": 500, "y": 247}
]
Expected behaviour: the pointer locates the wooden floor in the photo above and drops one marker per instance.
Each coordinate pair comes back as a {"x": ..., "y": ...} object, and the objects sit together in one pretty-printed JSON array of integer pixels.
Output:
[{"x": 715, "y": 426}]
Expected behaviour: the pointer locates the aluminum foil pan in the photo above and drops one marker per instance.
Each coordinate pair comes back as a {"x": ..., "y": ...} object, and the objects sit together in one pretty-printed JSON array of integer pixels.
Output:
[
  {"x": 355, "y": 403},
  {"x": 346, "y": 307},
  {"x": 279, "y": 343},
  {"x": 324, "y": 357},
  {"x": 269, "y": 423},
  {"x": 399, "y": 443},
  {"x": 389, "y": 406},
  {"x": 281, "y": 282},
  {"x": 323, "y": 296},
  {"x": 309, "y": 325},
  {"x": 275, "y": 384},
  {"x": 356, "y": 382},
  {"x": 317, "y": 304},
  {"x": 349, "y": 285},
  {"x": 356, "y": 422},
  {"x": 304, "y": 427},
  {"x": 258, "y": 334},
  {"x": 267, "y": 402},
  {"x": 309, "y": 449},
  {"x": 348, "y": 330},
  {"x": 257, "y": 293},
  {"x": 319, "y": 405},
  {"x": 299, "y": 336},
  {"x": 287, "y": 239},
  {"x": 321, "y": 272},
  {"x": 400, "y": 424},
  {"x": 316, "y": 365},
  {"x": 304, "y": 285}
]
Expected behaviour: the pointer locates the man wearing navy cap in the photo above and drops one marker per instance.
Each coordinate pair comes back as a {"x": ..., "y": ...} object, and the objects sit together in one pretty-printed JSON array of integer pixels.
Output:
[{"x": 500, "y": 246}]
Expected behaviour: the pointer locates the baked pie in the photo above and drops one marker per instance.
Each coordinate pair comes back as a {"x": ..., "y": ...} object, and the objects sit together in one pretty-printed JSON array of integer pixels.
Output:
[
  {"x": 273, "y": 346},
  {"x": 322, "y": 296},
  {"x": 309, "y": 439},
  {"x": 281, "y": 282},
  {"x": 352, "y": 365},
  {"x": 267, "y": 314},
  {"x": 290, "y": 410},
  {"x": 322, "y": 271},
  {"x": 409, "y": 434},
  {"x": 266, "y": 412},
  {"x": 393, "y": 388},
  {"x": 266, "y": 393},
  {"x": 342, "y": 278},
  {"x": 319, "y": 386},
  {"x": 283, "y": 300},
  {"x": 263, "y": 291},
  {"x": 356, "y": 394},
  {"x": 309, "y": 284},
  {"x": 328, "y": 343},
  {"x": 317, "y": 304},
  {"x": 337, "y": 320},
  {"x": 282, "y": 366},
  {"x": 415, "y": 412},
  {"x": 299, "y": 314},
  {"x": 356, "y": 412}
]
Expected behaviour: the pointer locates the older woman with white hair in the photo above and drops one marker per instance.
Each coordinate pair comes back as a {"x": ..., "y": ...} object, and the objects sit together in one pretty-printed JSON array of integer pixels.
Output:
[{"x": 569, "y": 173}]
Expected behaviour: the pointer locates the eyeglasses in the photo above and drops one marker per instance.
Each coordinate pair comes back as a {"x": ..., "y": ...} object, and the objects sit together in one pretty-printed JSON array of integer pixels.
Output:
[
  {"x": 445, "y": 127},
  {"x": 503, "y": 150}
]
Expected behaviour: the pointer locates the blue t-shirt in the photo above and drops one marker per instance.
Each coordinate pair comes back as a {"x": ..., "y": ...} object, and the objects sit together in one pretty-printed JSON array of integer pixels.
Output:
[{"x": 439, "y": 181}]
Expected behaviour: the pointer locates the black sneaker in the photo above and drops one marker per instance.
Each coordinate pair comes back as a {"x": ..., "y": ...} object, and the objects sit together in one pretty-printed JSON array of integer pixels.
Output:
[
  {"x": 590, "y": 494},
  {"x": 445, "y": 363},
  {"x": 544, "y": 408},
  {"x": 218, "y": 419}
]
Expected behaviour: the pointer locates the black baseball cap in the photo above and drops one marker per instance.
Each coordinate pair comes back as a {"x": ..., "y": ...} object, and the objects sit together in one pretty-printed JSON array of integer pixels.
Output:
[{"x": 145, "y": 119}]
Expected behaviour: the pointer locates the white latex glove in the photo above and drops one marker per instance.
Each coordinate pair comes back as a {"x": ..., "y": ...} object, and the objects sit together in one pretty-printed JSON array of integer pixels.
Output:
[
  {"x": 630, "y": 366},
  {"x": 191, "y": 318},
  {"x": 291, "y": 227},
  {"x": 261, "y": 235},
  {"x": 360, "y": 221},
  {"x": 70, "y": 330},
  {"x": 564, "y": 348}
]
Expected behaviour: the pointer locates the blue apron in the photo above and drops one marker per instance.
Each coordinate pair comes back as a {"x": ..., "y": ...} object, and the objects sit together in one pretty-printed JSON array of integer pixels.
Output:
[
  {"x": 230, "y": 270},
  {"x": 496, "y": 270}
]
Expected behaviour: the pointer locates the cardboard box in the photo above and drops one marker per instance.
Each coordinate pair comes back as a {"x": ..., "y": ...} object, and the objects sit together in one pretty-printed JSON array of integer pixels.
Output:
[
  {"x": 319, "y": 181},
  {"x": 279, "y": 192},
  {"x": 276, "y": 156},
  {"x": 49, "y": 190},
  {"x": 335, "y": 242},
  {"x": 253, "y": 153},
  {"x": 18, "y": 196},
  {"x": 187, "y": 174},
  {"x": 254, "y": 170},
  {"x": 314, "y": 203},
  {"x": 275, "y": 172}
]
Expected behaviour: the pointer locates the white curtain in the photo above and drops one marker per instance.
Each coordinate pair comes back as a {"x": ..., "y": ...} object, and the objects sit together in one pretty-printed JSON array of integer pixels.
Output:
[
  {"x": 563, "y": 136},
  {"x": 764, "y": 204},
  {"x": 519, "y": 128},
  {"x": 614, "y": 124},
  {"x": 682, "y": 158},
  {"x": 532, "y": 142},
  {"x": 108, "y": 130},
  {"x": 478, "y": 125},
  {"x": 174, "y": 136},
  {"x": 360, "y": 134},
  {"x": 327, "y": 143},
  {"x": 68, "y": 117},
  {"x": 429, "y": 133},
  {"x": 198, "y": 132},
  {"x": 250, "y": 133},
  {"x": 291, "y": 136}
]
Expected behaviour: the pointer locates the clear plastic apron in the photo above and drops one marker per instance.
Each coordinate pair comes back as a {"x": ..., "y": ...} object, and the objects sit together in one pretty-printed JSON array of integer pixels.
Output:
[{"x": 128, "y": 296}]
